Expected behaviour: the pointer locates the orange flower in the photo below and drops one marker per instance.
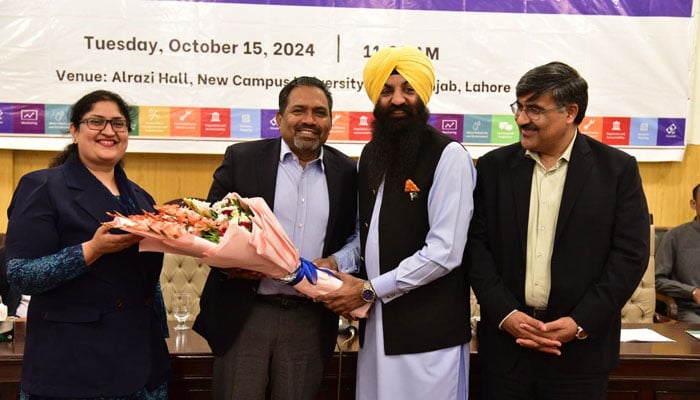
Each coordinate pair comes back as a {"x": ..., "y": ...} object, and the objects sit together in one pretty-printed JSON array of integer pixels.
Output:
[{"x": 410, "y": 187}]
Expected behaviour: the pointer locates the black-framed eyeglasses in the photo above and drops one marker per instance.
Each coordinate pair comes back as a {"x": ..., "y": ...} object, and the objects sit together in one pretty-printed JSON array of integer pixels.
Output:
[
  {"x": 533, "y": 113},
  {"x": 99, "y": 123}
]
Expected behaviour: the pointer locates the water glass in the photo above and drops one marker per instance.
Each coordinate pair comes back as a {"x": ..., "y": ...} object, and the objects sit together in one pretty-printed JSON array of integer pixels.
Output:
[{"x": 181, "y": 306}]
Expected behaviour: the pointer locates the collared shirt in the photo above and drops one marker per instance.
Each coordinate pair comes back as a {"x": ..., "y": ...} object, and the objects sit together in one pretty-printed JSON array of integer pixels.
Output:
[
  {"x": 545, "y": 200},
  {"x": 301, "y": 206}
]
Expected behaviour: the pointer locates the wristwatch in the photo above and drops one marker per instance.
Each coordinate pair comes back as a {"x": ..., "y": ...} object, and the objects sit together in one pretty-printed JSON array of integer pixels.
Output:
[
  {"x": 368, "y": 293},
  {"x": 580, "y": 333}
]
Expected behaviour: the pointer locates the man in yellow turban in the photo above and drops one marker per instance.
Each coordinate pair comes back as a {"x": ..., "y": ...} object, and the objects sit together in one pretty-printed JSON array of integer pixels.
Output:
[
  {"x": 409, "y": 62},
  {"x": 415, "y": 197}
]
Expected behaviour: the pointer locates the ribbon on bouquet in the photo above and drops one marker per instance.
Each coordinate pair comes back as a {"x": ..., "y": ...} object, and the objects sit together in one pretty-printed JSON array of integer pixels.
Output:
[{"x": 306, "y": 270}]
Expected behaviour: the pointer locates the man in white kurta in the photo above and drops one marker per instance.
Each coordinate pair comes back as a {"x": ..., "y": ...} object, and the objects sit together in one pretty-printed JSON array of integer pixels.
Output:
[{"x": 399, "y": 81}]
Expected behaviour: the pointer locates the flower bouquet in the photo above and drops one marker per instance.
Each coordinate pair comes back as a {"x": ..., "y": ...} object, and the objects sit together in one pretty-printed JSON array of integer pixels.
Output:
[{"x": 233, "y": 232}]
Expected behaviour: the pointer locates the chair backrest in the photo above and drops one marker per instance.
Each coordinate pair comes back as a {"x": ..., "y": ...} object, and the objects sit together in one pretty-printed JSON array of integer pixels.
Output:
[
  {"x": 182, "y": 274},
  {"x": 641, "y": 305}
]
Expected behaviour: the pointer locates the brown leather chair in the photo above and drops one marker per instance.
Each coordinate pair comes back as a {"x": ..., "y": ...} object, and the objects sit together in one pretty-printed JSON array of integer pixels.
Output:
[
  {"x": 182, "y": 274},
  {"x": 641, "y": 306}
]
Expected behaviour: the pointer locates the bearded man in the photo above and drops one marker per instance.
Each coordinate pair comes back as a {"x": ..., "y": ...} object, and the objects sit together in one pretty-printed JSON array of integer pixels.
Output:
[{"x": 415, "y": 202}]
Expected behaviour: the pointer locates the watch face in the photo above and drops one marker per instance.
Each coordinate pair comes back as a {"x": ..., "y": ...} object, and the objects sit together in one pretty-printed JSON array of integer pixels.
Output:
[
  {"x": 580, "y": 333},
  {"x": 368, "y": 295}
]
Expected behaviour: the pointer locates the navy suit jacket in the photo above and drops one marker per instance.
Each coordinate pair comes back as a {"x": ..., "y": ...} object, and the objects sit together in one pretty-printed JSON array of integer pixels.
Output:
[
  {"x": 250, "y": 169},
  {"x": 97, "y": 334},
  {"x": 601, "y": 250}
]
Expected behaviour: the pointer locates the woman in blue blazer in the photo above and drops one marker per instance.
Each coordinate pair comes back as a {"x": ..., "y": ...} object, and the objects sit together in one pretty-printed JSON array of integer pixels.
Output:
[{"x": 96, "y": 322}]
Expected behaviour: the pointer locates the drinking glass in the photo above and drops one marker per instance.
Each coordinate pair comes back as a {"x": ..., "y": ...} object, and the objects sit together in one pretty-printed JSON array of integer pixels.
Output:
[{"x": 181, "y": 304}]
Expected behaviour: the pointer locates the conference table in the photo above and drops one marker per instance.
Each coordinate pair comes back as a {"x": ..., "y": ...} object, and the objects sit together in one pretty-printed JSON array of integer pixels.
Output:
[{"x": 648, "y": 370}]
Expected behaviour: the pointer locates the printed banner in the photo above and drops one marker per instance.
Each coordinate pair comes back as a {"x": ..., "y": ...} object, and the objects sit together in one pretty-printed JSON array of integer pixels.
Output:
[{"x": 202, "y": 74}]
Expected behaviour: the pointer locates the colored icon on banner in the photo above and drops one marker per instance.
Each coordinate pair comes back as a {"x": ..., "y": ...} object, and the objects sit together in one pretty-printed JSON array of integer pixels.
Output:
[
  {"x": 643, "y": 131},
  {"x": 449, "y": 124},
  {"x": 6, "y": 125},
  {"x": 134, "y": 112},
  {"x": 504, "y": 130},
  {"x": 216, "y": 122},
  {"x": 341, "y": 126},
  {"x": 56, "y": 121},
  {"x": 28, "y": 118},
  {"x": 245, "y": 123},
  {"x": 671, "y": 132},
  {"x": 184, "y": 121},
  {"x": 477, "y": 129},
  {"x": 593, "y": 127},
  {"x": 268, "y": 124},
  {"x": 154, "y": 121},
  {"x": 361, "y": 126},
  {"x": 616, "y": 131}
]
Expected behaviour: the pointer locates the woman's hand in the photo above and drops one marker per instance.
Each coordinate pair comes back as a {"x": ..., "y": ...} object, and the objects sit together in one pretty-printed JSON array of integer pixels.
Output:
[{"x": 104, "y": 242}]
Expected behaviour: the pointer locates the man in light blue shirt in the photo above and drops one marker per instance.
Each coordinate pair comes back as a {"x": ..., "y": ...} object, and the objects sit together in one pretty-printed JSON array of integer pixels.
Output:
[{"x": 266, "y": 337}]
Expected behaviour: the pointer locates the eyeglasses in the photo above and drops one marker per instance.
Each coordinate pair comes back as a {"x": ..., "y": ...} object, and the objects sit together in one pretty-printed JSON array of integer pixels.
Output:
[
  {"x": 533, "y": 113},
  {"x": 99, "y": 123}
]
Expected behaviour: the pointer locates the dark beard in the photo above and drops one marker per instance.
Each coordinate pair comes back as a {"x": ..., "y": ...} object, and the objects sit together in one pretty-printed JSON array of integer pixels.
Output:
[{"x": 392, "y": 153}]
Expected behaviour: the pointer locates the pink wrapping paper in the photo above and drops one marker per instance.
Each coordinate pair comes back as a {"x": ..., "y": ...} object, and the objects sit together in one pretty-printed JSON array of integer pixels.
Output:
[{"x": 267, "y": 249}]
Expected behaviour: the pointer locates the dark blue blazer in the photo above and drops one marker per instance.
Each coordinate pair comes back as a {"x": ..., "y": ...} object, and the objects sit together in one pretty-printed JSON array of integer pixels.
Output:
[
  {"x": 601, "y": 250},
  {"x": 98, "y": 333},
  {"x": 250, "y": 169}
]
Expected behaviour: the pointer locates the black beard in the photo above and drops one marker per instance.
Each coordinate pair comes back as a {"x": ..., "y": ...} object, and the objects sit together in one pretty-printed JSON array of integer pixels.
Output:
[{"x": 392, "y": 153}]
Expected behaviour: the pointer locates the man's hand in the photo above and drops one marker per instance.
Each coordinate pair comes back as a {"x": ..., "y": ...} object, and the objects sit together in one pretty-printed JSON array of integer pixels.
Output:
[
  {"x": 531, "y": 333},
  {"x": 346, "y": 298},
  {"x": 562, "y": 329},
  {"x": 327, "y": 263}
]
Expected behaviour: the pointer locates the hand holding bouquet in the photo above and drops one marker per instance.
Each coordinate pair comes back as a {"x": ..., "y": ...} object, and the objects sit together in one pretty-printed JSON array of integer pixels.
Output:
[{"x": 234, "y": 232}]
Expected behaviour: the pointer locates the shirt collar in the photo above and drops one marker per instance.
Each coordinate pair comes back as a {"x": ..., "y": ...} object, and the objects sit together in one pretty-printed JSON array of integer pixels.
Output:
[
  {"x": 566, "y": 155},
  {"x": 286, "y": 154}
]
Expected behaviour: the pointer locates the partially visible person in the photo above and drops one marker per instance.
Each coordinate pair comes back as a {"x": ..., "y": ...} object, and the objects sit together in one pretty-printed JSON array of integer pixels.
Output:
[
  {"x": 678, "y": 264},
  {"x": 266, "y": 337},
  {"x": 415, "y": 200},
  {"x": 558, "y": 243},
  {"x": 96, "y": 324}
]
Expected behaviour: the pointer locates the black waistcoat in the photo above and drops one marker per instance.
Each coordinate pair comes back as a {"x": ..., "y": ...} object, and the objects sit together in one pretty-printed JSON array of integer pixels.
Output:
[{"x": 433, "y": 316}]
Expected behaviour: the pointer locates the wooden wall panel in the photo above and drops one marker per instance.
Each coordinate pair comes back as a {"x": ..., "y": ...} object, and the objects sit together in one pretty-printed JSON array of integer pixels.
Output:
[
  {"x": 169, "y": 176},
  {"x": 668, "y": 187}
]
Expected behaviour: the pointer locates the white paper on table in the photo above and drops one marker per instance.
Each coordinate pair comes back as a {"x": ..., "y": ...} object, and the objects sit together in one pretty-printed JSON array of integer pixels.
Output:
[{"x": 642, "y": 335}]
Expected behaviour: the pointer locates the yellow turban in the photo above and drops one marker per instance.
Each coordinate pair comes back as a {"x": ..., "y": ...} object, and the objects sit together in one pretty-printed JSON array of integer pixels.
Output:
[{"x": 410, "y": 62}]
